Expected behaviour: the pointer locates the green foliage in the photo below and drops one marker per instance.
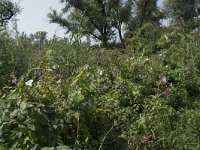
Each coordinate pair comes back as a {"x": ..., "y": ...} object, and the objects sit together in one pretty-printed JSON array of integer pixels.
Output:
[
  {"x": 71, "y": 96},
  {"x": 6, "y": 60},
  {"x": 8, "y": 10},
  {"x": 183, "y": 13},
  {"x": 146, "y": 11},
  {"x": 145, "y": 38},
  {"x": 94, "y": 18}
]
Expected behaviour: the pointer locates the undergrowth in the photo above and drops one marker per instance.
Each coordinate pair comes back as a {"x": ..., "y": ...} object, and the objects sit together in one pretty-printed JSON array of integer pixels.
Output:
[{"x": 66, "y": 96}]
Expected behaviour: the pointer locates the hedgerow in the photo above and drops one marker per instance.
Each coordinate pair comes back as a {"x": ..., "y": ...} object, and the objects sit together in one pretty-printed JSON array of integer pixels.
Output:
[{"x": 76, "y": 97}]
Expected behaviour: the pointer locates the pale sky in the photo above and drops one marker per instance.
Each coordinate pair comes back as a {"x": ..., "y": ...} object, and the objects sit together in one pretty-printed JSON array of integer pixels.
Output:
[{"x": 34, "y": 18}]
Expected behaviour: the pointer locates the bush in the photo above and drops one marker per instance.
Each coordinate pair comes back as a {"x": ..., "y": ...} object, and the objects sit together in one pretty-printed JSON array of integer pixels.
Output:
[{"x": 105, "y": 99}]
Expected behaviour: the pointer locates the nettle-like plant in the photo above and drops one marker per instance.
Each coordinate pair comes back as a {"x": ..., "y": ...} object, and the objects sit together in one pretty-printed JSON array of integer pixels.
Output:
[
  {"x": 28, "y": 118},
  {"x": 118, "y": 102},
  {"x": 6, "y": 60}
]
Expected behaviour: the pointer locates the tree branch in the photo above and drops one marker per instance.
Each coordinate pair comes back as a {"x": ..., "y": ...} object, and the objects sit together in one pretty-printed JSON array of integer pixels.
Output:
[{"x": 7, "y": 13}]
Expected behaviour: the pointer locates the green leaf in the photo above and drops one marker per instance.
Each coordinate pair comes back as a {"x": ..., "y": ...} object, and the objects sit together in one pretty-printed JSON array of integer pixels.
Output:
[
  {"x": 48, "y": 148},
  {"x": 63, "y": 148},
  {"x": 23, "y": 105}
]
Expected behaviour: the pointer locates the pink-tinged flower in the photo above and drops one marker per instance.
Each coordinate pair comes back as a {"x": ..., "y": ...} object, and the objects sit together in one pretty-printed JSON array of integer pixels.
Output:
[
  {"x": 166, "y": 92},
  {"x": 14, "y": 80},
  {"x": 145, "y": 138}
]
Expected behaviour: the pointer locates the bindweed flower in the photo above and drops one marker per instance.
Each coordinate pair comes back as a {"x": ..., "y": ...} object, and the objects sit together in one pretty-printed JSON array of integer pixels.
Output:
[
  {"x": 41, "y": 105},
  {"x": 54, "y": 67},
  {"x": 132, "y": 57},
  {"x": 14, "y": 80},
  {"x": 101, "y": 73},
  {"x": 170, "y": 85},
  {"x": 145, "y": 138},
  {"x": 163, "y": 79},
  {"x": 166, "y": 92},
  {"x": 29, "y": 82},
  {"x": 87, "y": 67}
]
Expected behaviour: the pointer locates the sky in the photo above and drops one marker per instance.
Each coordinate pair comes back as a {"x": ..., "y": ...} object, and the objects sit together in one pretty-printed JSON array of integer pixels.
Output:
[{"x": 33, "y": 16}]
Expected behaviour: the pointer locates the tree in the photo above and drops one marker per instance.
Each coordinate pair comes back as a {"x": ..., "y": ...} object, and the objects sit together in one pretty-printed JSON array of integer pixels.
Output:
[
  {"x": 182, "y": 12},
  {"x": 146, "y": 11},
  {"x": 96, "y": 18},
  {"x": 39, "y": 37},
  {"x": 121, "y": 13},
  {"x": 8, "y": 9}
]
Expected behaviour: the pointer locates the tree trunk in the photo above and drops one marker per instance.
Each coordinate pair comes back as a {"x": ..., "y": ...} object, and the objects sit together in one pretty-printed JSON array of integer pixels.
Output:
[
  {"x": 104, "y": 32},
  {"x": 197, "y": 11},
  {"x": 120, "y": 34},
  {"x": 104, "y": 40}
]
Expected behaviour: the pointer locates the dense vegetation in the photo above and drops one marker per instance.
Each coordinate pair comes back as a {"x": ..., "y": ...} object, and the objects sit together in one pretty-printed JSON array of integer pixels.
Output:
[{"x": 61, "y": 94}]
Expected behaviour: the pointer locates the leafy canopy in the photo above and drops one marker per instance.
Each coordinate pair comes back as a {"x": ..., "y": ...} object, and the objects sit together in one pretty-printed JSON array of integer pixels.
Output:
[
  {"x": 96, "y": 18},
  {"x": 182, "y": 11},
  {"x": 7, "y": 10}
]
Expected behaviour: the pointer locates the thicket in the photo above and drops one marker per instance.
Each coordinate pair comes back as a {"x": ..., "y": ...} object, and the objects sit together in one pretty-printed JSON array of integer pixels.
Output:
[{"x": 67, "y": 95}]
